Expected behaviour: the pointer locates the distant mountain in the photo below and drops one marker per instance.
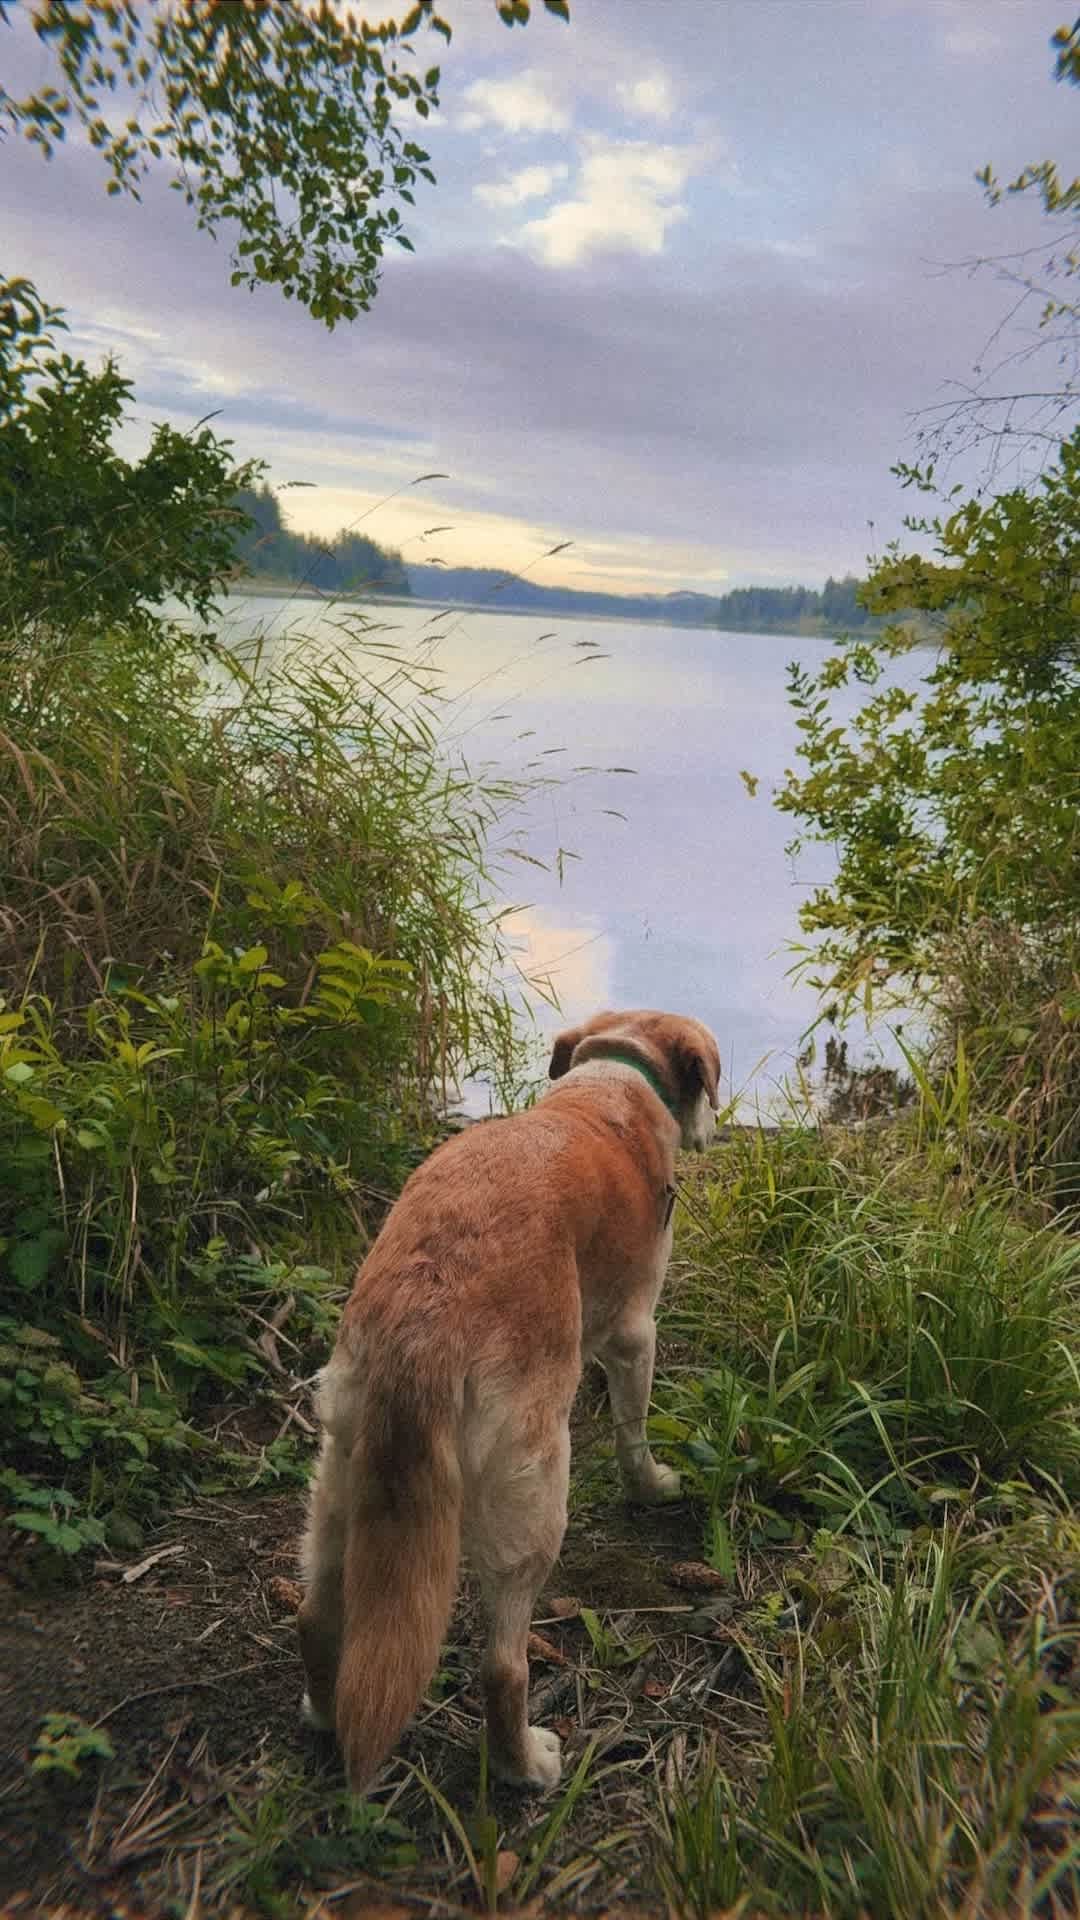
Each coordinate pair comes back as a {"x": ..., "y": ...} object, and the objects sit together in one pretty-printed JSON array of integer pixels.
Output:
[
  {"x": 487, "y": 587},
  {"x": 745, "y": 609}
]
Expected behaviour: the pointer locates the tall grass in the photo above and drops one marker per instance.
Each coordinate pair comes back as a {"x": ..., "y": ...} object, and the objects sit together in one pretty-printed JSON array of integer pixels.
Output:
[
  {"x": 248, "y": 946},
  {"x": 919, "y": 1760},
  {"x": 1011, "y": 1000},
  {"x": 879, "y": 1349},
  {"x": 883, "y": 1392}
]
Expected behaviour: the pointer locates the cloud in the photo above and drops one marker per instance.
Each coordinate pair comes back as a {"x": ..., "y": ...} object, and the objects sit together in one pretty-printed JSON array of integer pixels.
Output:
[
  {"x": 732, "y": 402},
  {"x": 572, "y": 958},
  {"x": 652, "y": 96},
  {"x": 523, "y": 104},
  {"x": 531, "y": 183},
  {"x": 626, "y": 201}
]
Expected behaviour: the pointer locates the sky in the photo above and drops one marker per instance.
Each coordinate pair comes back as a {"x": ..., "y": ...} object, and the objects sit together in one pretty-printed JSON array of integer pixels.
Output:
[{"x": 689, "y": 273}]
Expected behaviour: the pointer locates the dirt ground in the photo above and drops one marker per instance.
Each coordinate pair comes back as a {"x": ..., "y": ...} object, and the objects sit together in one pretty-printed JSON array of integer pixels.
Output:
[{"x": 218, "y": 1801}]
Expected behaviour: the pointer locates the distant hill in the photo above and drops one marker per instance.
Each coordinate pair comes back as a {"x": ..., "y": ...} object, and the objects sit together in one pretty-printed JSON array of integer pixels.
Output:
[
  {"x": 267, "y": 548},
  {"x": 489, "y": 587},
  {"x": 745, "y": 609}
]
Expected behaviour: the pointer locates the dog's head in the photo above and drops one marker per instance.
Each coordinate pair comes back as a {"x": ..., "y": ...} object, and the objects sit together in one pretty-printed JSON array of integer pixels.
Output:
[{"x": 680, "y": 1054}]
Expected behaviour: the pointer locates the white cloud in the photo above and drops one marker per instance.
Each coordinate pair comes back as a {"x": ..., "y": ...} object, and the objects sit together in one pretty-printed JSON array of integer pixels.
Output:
[
  {"x": 531, "y": 183},
  {"x": 574, "y": 958},
  {"x": 626, "y": 202},
  {"x": 521, "y": 105},
  {"x": 652, "y": 96}
]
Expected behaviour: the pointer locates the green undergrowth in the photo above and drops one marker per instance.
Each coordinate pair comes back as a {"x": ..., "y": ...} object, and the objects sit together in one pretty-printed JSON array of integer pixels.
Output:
[
  {"x": 247, "y": 950},
  {"x": 881, "y": 1390}
]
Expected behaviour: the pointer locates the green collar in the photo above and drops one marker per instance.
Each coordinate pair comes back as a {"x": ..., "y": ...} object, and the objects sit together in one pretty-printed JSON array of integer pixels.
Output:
[{"x": 631, "y": 1060}]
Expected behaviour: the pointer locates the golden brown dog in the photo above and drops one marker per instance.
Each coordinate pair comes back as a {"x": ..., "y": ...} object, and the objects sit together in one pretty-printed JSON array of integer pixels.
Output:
[{"x": 519, "y": 1249}]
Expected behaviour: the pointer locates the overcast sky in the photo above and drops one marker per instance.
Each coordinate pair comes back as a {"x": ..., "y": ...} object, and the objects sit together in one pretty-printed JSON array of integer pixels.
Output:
[{"x": 689, "y": 269}]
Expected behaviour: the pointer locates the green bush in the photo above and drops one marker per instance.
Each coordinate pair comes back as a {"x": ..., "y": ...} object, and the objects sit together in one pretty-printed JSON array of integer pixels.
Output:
[
  {"x": 86, "y": 535},
  {"x": 951, "y": 802},
  {"x": 247, "y": 955}
]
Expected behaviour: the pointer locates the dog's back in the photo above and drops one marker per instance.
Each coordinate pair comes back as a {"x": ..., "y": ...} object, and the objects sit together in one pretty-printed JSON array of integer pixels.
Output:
[{"x": 445, "y": 1407}]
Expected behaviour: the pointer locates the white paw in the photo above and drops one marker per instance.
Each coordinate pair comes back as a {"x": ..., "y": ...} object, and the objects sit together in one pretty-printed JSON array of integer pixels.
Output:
[
  {"x": 656, "y": 1485},
  {"x": 543, "y": 1762},
  {"x": 311, "y": 1716}
]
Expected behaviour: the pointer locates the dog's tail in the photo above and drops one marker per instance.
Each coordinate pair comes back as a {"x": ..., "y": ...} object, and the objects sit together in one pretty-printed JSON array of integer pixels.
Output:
[{"x": 402, "y": 1548}]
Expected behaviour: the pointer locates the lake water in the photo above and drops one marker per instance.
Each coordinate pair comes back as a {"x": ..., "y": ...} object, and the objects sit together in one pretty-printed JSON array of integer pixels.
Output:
[{"x": 687, "y": 901}]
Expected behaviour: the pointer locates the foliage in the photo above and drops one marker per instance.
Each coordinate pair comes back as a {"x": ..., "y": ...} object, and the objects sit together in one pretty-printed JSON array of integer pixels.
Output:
[
  {"x": 65, "y": 1742},
  {"x": 882, "y": 1356},
  {"x": 951, "y": 802},
  {"x": 210, "y": 1069},
  {"x": 881, "y": 1413},
  {"x": 280, "y": 121},
  {"x": 44, "y": 1511},
  {"x": 1045, "y": 178},
  {"x": 85, "y": 534},
  {"x": 919, "y": 1745},
  {"x": 349, "y": 563}
]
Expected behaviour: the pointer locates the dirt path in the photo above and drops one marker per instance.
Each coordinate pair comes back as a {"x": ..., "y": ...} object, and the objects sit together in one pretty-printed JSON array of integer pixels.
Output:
[{"x": 216, "y": 1800}]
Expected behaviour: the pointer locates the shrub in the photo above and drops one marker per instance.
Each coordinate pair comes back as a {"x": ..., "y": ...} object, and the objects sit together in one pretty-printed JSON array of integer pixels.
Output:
[
  {"x": 951, "y": 802},
  {"x": 247, "y": 953}
]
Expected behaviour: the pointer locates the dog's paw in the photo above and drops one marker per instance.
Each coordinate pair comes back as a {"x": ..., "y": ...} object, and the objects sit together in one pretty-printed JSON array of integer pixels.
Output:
[
  {"x": 656, "y": 1486},
  {"x": 541, "y": 1766},
  {"x": 311, "y": 1716}
]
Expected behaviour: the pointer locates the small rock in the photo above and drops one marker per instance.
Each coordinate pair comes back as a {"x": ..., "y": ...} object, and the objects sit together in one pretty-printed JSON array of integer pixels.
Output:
[{"x": 695, "y": 1576}]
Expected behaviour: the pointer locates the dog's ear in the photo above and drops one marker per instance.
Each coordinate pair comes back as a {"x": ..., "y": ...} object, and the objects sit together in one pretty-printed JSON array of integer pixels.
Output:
[
  {"x": 563, "y": 1052},
  {"x": 698, "y": 1065}
]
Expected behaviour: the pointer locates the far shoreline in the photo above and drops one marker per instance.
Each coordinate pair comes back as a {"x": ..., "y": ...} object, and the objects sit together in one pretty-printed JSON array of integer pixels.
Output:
[{"x": 259, "y": 587}]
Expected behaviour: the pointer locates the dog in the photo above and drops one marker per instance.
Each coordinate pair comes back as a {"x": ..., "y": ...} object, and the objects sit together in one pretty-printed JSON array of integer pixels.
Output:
[{"x": 518, "y": 1250}]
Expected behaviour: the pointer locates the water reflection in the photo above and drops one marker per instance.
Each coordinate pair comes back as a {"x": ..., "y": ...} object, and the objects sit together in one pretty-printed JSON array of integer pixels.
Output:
[{"x": 664, "y": 883}]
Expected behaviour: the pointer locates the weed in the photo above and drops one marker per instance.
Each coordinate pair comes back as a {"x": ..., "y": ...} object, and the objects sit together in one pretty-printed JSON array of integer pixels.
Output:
[
  {"x": 293, "y": 1833},
  {"x": 65, "y": 1742},
  {"x": 608, "y": 1647}
]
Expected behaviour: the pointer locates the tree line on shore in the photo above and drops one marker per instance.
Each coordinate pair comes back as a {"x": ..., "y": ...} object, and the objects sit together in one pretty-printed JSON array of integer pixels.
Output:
[
  {"x": 267, "y": 548},
  {"x": 349, "y": 563}
]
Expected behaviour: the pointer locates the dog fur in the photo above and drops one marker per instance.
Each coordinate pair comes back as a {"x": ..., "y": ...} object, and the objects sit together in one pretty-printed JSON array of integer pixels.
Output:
[{"x": 517, "y": 1251}]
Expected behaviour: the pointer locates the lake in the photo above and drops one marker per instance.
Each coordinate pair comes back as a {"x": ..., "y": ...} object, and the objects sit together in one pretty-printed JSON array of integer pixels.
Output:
[{"x": 675, "y": 889}]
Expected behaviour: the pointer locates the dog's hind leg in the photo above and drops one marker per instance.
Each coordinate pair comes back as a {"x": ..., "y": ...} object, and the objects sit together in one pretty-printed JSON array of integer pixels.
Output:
[
  {"x": 322, "y": 1610},
  {"x": 514, "y": 1547},
  {"x": 627, "y": 1356}
]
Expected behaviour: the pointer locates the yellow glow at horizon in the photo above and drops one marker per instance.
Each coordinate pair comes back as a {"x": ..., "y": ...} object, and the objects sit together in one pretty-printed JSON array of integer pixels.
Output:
[{"x": 426, "y": 530}]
